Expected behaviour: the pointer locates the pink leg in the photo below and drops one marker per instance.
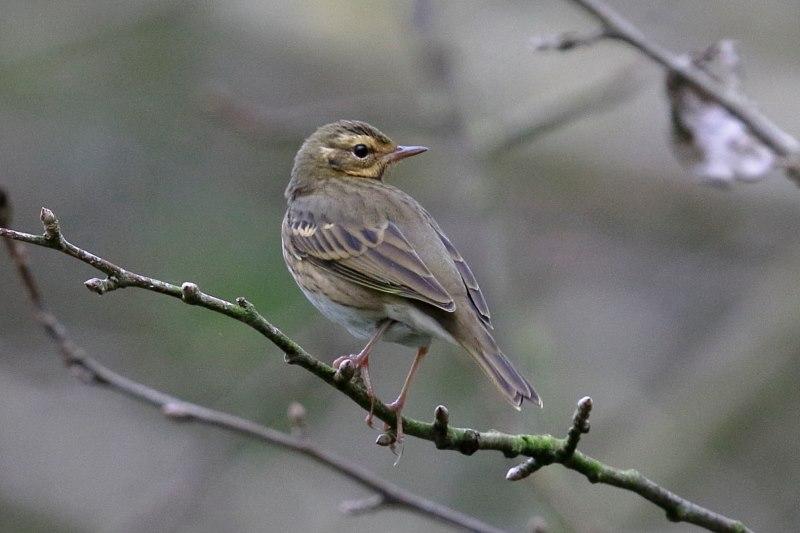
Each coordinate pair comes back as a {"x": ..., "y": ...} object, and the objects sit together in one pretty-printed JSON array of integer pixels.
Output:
[
  {"x": 397, "y": 405},
  {"x": 361, "y": 362}
]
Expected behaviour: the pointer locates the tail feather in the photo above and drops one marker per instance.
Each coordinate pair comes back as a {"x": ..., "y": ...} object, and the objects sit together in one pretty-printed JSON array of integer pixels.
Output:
[{"x": 496, "y": 365}]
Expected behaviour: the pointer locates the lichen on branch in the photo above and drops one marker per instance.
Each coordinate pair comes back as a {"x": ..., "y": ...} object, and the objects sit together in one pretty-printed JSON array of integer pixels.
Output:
[{"x": 541, "y": 450}]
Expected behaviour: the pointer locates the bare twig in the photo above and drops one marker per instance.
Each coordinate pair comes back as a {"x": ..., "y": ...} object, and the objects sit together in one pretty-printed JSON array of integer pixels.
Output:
[
  {"x": 580, "y": 425},
  {"x": 297, "y": 418},
  {"x": 616, "y": 27},
  {"x": 364, "y": 505},
  {"x": 548, "y": 116},
  {"x": 567, "y": 40},
  {"x": 264, "y": 124},
  {"x": 544, "y": 449},
  {"x": 385, "y": 493}
]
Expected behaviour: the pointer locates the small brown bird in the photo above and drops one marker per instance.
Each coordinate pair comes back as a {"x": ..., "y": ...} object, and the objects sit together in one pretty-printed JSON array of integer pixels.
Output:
[{"x": 370, "y": 258}]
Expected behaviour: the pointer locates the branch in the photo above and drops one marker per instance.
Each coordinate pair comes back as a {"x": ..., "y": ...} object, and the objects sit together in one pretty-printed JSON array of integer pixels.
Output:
[
  {"x": 606, "y": 94},
  {"x": 612, "y": 26},
  {"x": 542, "y": 449},
  {"x": 567, "y": 40},
  {"x": 92, "y": 371},
  {"x": 767, "y": 131}
]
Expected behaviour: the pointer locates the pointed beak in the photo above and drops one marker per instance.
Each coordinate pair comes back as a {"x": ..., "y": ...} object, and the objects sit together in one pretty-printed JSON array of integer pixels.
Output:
[{"x": 404, "y": 151}]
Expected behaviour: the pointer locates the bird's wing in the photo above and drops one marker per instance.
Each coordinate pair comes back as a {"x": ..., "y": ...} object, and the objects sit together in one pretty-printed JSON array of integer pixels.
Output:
[
  {"x": 379, "y": 257},
  {"x": 473, "y": 289}
]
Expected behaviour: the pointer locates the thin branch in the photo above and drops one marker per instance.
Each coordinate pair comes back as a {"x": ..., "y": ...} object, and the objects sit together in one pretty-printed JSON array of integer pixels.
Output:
[
  {"x": 567, "y": 40},
  {"x": 617, "y": 27},
  {"x": 608, "y": 93},
  {"x": 386, "y": 494},
  {"x": 580, "y": 425},
  {"x": 364, "y": 505},
  {"x": 544, "y": 449}
]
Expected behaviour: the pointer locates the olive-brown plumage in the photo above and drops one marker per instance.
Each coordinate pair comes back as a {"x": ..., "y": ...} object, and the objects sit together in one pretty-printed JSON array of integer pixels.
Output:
[{"x": 370, "y": 258}]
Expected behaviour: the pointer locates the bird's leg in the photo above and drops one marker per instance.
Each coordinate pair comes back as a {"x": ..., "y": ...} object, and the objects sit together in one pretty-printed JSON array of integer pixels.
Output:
[
  {"x": 361, "y": 359},
  {"x": 370, "y": 394},
  {"x": 397, "y": 405},
  {"x": 361, "y": 363}
]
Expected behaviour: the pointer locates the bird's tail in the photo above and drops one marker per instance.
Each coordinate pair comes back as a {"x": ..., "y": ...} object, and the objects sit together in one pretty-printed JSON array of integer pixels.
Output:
[{"x": 482, "y": 346}]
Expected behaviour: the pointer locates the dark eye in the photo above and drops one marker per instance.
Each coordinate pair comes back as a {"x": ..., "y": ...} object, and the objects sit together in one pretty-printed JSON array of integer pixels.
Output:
[{"x": 361, "y": 151}]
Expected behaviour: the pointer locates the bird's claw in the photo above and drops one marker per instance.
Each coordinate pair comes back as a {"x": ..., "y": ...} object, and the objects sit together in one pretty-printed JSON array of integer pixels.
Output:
[
  {"x": 397, "y": 407},
  {"x": 361, "y": 364},
  {"x": 339, "y": 360},
  {"x": 369, "y": 417}
]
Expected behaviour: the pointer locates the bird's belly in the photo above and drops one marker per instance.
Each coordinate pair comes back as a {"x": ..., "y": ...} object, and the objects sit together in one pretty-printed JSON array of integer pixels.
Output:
[
  {"x": 413, "y": 327},
  {"x": 361, "y": 323}
]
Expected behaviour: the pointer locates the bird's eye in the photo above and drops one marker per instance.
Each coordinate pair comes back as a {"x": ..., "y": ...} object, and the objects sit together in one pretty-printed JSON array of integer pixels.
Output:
[{"x": 361, "y": 151}]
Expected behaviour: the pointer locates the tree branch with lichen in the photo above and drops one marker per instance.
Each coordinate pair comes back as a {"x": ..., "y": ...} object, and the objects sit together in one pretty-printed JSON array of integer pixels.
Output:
[
  {"x": 540, "y": 450},
  {"x": 386, "y": 494}
]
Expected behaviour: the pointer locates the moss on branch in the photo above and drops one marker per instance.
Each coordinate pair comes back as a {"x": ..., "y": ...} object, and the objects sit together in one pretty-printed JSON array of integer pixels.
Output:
[{"x": 540, "y": 450}]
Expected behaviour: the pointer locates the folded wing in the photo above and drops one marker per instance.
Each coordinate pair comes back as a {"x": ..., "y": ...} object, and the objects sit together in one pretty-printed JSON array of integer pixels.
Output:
[
  {"x": 379, "y": 257},
  {"x": 473, "y": 289}
]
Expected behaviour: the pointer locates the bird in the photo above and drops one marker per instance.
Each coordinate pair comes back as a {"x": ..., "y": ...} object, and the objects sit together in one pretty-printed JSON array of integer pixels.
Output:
[{"x": 370, "y": 258}]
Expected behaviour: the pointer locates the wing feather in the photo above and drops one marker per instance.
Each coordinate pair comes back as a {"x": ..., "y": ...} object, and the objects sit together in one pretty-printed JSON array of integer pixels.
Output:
[
  {"x": 473, "y": 289},
  {"x": 378, "y": 257}
]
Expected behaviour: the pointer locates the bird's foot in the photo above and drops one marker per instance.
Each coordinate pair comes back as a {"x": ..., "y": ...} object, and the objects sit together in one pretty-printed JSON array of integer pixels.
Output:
[
  {"x": 397, "y": 407},
  {"x": 361, "y": 364},
  {"x": 355, "y": 358},
  {"x": 398, "y": 442},
  {"x": 370, "y": 395},
  {"x": 360, "y": 361}
]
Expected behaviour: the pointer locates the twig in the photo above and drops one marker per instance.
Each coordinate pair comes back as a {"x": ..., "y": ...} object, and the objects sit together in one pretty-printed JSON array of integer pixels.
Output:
[
  {"x": 296, "y": 414},
  {"x": 617, "y": 27},
  {"x": 523, "y": 470},
  {"x": 364, "y": 505},
  {"x": 386, "y": 494},
  {"x": 567, "y": 40},
  {"x": 544, "y": 449},
  {"x": 606, "y": 94},
  {"x": 265, "y": 124},
  {"x": 580, "y": 425}
]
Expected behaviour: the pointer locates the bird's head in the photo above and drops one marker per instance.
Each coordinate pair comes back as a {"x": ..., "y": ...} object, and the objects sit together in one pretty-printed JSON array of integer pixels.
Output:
[{"x": 347, "y": 147}]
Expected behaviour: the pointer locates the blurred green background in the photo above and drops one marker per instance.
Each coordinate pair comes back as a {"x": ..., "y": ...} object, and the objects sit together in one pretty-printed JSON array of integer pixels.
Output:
[{"x": 162, "y": 134}]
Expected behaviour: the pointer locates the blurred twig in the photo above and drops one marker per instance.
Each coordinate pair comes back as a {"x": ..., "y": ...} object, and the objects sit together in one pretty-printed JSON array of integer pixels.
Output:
[
  {"x": 441, "y": 89},
  {"x": 254, "y": 121},
  {"x": 567, "y": 40},
  {"x": 619, "y": 87},
  {"x": 542, "y": 450},
  {"x": 261, "y": 123},
  {"x": 92, "y": 371},
  {"x": 616, "y": 27}
]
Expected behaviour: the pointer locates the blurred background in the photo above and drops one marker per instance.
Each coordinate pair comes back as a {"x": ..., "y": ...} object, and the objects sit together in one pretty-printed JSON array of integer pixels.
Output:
[{"x": 162, "y": 134}]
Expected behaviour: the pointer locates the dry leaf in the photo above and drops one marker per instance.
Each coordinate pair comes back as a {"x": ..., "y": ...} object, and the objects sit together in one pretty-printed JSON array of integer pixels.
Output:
[{"x": 711, "y": 143}]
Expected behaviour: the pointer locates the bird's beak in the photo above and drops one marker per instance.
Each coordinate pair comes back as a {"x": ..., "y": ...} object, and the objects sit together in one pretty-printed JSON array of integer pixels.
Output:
[{"x": 401, "y": 152}]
